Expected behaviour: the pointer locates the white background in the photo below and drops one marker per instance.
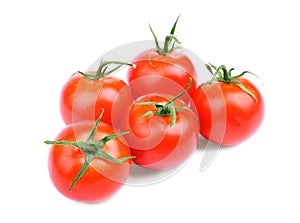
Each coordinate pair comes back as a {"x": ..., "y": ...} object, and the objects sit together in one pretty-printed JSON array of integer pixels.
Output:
[{"x": 43, "y": 42}]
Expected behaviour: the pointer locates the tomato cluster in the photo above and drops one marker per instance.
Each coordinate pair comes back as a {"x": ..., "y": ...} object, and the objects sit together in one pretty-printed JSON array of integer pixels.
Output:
[{"x": 152, "y": 119}]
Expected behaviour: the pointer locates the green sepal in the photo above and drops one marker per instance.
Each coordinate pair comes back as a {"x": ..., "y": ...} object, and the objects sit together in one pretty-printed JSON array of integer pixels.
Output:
[
  {"x": 82, "y": 170},
  {"x": 92, "y": 149},
  {"x": 103, "y": 69},
  {"x": 226, "y": 77},
  {"x": 165, "y": 110}
]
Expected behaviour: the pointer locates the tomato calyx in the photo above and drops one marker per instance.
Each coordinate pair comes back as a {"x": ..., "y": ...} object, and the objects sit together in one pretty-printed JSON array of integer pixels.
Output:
[
  {"x": 167, "y": 109},
  {"x": 221, "y": 74},
  {"x": 103, "y": 69},
  {"x": 92, "y": 149},
  {"x": 170, "y": 41}
]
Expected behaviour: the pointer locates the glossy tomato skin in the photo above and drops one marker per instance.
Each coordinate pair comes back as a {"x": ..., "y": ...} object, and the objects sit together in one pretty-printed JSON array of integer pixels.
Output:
[
  {"x": 153, "y": 71},
  {"x": 82, "y": 99},
  {"x": 227, "y": 114},
  {"x": 153, "y": 142},
  {"x": 102, "y": 178}
]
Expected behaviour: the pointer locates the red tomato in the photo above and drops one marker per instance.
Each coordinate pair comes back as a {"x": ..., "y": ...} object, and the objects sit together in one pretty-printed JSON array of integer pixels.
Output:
[
  {"x": 82, "y": 99},
  {"x": 153, "y": 66},
  {"x": 153, "y": 71},
  {"x": 102, "y": 178},
  {"x": 154, "y": 142},
  {"x": 228, "y": 114}
]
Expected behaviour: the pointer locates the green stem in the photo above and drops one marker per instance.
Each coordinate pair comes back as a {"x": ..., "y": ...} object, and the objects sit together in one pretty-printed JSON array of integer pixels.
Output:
[
  {"x": 166, "y": 45},
  {"x": 226, "y": 74},
  {"x": 170, "y": 40}
]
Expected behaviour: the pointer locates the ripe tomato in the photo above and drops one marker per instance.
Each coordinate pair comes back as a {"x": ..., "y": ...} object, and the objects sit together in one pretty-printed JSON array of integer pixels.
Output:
[
  {"x": 153, "y": 66},
  {"x": 83, "y": 97},
  {"x": 163, "y": 132},
  {"x": 230, "y": 109},
  {"x": 153, "y": 71},
  {"x": 92, "y": 171}
]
